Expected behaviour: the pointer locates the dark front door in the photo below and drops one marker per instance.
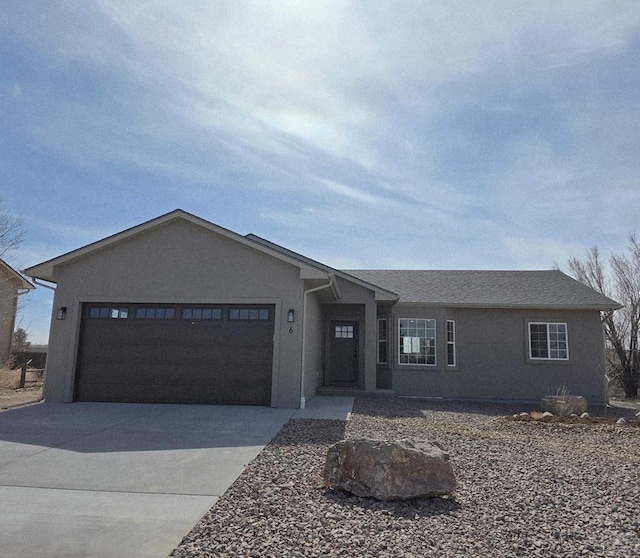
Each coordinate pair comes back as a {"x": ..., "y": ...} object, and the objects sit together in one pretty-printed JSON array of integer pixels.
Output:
[{"x": 343, "y": 349}]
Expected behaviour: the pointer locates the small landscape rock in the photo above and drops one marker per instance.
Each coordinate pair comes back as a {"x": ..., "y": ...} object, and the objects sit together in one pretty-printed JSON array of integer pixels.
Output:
[
  {"x": 584, "y": 415},
  {"x": 621, "y": 421}
]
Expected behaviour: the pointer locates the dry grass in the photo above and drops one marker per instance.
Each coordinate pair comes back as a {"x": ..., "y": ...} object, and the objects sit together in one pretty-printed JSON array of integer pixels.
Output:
[{"x": 9, "y": 379}]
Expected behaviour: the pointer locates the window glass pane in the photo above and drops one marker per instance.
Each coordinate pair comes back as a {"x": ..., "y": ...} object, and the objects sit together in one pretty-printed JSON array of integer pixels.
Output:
[
  {"x": 124, "y": 313},
  {"x": 95, "y": 313},
  {"x": 104, "y": 312},
  {"x": 187, "y": 313},
  {"x": 160, "y": 313},
  {"x": 197, "y": 313},
  {"x": 538, "y": 333},
  {"x": 382, "y": 341},
  {"x": 264, "y": 313},
  {"x": 140, "y": 313},
  {"x": 382, "y": 352},
  {"x": 254, "y": 314},
  {"x": 244, "y": 313},
  {"x": 150, "y": 313},
  {"x": 451, "y": 343},
  {"x": 451, "y": 359},
  {"x": 234, "y": 314},
  {"x": 382, "y": 330}
]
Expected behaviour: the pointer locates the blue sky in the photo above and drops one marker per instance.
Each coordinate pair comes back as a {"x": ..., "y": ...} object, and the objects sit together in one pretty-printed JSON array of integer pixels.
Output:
[{"x": 364, "y": 134}]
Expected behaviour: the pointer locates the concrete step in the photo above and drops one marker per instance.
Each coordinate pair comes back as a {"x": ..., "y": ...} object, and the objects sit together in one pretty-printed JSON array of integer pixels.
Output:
[{"x": 353, "y": 392}]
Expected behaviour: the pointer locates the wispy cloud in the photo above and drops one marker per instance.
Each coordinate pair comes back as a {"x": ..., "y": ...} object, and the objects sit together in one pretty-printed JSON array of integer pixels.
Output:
[{"x": 420, "y": 134}]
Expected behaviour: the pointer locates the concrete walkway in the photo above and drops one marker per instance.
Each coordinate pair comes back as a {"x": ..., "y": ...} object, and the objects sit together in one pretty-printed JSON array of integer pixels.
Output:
[
  {"x": 125, "y": 480},
  {"x": 334, "y": 408}
]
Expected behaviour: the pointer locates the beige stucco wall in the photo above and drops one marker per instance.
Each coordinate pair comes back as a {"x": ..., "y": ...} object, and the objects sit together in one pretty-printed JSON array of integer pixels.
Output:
[
  {"x": 8, "y": 308},
  {"x": 492, "y": 356},
  {"x": 177, "y": 262}
]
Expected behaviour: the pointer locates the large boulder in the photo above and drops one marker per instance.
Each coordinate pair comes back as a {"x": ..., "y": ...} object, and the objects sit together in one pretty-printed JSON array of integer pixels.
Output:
[
  {"x": 389, "y": 470},
  {"x": 564, "y": 405}
]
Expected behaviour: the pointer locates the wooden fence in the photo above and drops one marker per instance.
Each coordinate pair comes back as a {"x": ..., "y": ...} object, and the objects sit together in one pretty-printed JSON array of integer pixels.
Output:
[{"x": 38, "y": 360}]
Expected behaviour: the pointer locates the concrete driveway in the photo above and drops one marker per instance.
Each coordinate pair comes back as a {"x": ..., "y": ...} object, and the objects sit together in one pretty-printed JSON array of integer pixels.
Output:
[{"x": 105, "y": 480}]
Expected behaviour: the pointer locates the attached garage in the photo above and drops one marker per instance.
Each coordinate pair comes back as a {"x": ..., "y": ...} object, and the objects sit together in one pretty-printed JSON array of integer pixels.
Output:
[
  {"x": 180, "y": 310},
  {"x": 175, "y": 353}
]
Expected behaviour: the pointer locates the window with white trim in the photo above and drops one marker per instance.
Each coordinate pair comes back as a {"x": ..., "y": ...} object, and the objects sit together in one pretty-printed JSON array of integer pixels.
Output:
[
  {"x": 451, "y": 343},
  {"x": 382, "y": 341},
  {"x": 548, "y": 341},
  {"x": 417, "y": 341}
]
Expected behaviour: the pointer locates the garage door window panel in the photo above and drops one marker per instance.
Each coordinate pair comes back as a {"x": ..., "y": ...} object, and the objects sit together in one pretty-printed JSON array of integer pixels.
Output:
[
  {"x": 107, "y": 312},
  {"x": 246, "y": 314},
  {"x": 155, "y": 313},
  {"x": 201, "y": 313}
]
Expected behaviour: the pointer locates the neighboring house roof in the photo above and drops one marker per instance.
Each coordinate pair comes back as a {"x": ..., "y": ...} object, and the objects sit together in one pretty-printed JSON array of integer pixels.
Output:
[
  {"x": 20, "y": 281},
  {"x": 489, "y": 289}
]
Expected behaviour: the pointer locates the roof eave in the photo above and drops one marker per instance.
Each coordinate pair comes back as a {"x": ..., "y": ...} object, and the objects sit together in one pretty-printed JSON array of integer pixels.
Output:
[
  {"x": 500, "y": 306},
  {"x": 45, "y": 270},
  {"x": 16, "y": 276}
]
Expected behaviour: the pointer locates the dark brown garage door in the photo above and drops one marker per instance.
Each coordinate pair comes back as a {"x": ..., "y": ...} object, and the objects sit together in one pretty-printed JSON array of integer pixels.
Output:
[{"x": 175, "y": 353}]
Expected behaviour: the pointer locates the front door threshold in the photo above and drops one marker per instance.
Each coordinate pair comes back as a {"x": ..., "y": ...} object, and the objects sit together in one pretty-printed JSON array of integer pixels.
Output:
[{"x": 354, "y": 391}]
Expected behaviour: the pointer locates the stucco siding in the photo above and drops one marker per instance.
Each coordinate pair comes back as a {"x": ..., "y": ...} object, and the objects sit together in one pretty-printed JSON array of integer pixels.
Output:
[
  {"x": 8, "y": 307},
  {"x": 184, "y": 263},
  {"x": 492, "y": 356},
  {"x": 314, "y": 334}
]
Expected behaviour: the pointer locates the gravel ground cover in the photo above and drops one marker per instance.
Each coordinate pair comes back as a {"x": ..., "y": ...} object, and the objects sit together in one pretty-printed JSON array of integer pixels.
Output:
[{"x": 524, "y": 489}]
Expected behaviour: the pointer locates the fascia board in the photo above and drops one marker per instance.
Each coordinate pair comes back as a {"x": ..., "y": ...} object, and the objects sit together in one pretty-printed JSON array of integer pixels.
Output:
[
  {"x": 307, "y": 272},
  {"x": 598, "y": 308}
]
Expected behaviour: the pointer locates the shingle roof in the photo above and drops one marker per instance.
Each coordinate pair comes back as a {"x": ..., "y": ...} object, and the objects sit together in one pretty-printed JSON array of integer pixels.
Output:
[
  {"x": 502, "y": 289},
  {"x": 19, "y": 280}
]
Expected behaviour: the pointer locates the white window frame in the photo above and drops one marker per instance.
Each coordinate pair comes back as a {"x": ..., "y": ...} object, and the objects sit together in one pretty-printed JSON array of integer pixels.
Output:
[
  {"x": 385, "y": 341},
  {"x": 549, "y": 349},
  {"x": 415, "y": 343},
  {"x": 451, "y": 342}
]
